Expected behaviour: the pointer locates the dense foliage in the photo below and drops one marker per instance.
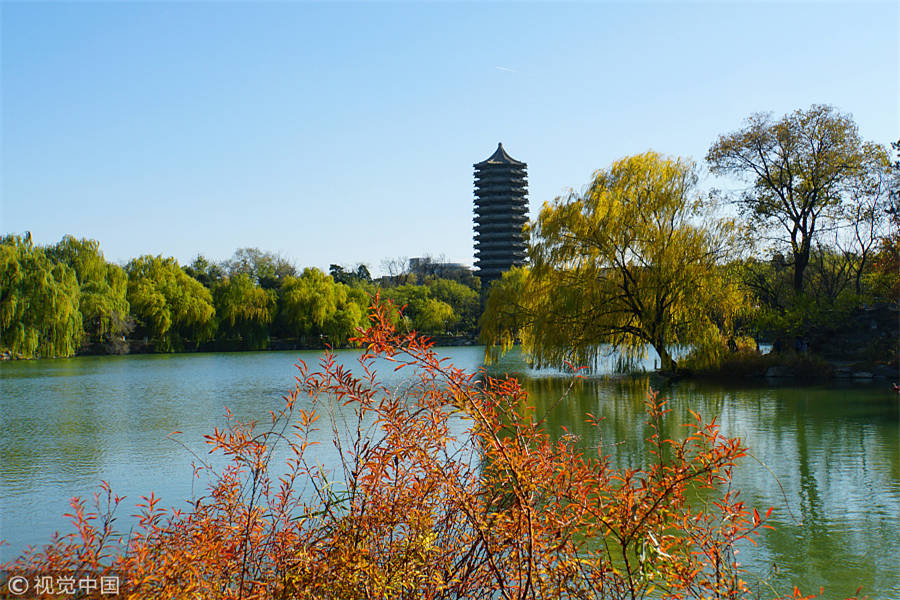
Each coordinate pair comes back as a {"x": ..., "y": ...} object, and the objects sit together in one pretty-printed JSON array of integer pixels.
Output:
[
  {"x": 852, "y": 265},
  {"x": 105, "y": 311},
  {"x": 57, "y": 300},
  {"x": 170, "y": 307},
  {"x": 450, "y": 487},
  {"x": 637, "y": 261},
  {"x": 632, "y": 262},
  {"x": 40, "y": 301},
  {"x": 314, "y": 306},
  {"x": 244, "y": 310}
]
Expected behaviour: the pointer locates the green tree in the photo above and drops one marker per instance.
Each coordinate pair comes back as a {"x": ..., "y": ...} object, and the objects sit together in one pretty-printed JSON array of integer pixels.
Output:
[
  {"x": 170, "y": 306},
  {"x": 351, "y": 313},
  {"x": 768, "y": 281},
  {"x": 315, "y": 307},
  {"x": 103, "y": 289},
  {"x": 362, "y": 273},
  {"x": 800, "y": 168},
  {"x": 207, "y": 273},
  {"x": 358, "y": 275},
  {"x": 244, "y": 310},
  {"x": 464, "y": 301},
  {"x": 885, "y": 276},
  {"x": 422, "y": 312},
  {"x": 506, "y": 313},
  {"x": 306, "y": 302},
  {"x": 265, "y": 268},
  {"x": 39, "y": 301},
  {"x": 634, "y": 261}
]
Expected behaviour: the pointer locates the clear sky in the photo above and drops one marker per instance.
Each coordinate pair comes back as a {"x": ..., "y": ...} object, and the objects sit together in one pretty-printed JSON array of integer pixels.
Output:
[{"x": 344, "y": 132}]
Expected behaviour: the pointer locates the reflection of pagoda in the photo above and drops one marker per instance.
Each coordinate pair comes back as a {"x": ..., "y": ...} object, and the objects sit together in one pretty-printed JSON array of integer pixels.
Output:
[{"x": 501, "y": 209}]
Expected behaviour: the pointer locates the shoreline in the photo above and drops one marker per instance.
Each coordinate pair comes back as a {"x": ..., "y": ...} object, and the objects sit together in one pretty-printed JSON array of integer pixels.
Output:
[
  {"x": 786, "y": 367},
  {"x": 274, "y": 345},
  {"x": 797, "y": 368}
]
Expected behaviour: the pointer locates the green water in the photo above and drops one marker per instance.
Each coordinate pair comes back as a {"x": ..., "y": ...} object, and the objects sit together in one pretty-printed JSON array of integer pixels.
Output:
[{"x": 827, "y": 458}]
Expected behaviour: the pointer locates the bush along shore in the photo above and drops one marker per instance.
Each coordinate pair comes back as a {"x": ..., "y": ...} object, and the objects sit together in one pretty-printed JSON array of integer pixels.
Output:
[
  {"x": 860, "y": 347},
  {"x": 789, "y": 366}
]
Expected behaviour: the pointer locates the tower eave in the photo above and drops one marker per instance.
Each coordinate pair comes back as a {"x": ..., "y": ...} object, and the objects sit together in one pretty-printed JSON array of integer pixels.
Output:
[{"x": 499, "y": 157}]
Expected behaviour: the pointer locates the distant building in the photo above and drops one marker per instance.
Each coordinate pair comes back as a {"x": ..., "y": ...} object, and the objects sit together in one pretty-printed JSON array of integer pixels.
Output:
[
  {"x": 501, "y": 210},
  {"x": 426, "y": 266}
]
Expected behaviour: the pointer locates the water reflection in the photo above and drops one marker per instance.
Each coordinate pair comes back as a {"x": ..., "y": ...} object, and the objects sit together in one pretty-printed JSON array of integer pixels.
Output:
[
  {"x": 828, "y": 459},
  {"x": 833, "y": 451}
]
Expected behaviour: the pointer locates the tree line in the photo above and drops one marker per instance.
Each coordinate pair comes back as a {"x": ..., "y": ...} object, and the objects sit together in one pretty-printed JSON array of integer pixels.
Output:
[
  {"x": 641, "y": 259},
  {"x": 59, "y": 299}
]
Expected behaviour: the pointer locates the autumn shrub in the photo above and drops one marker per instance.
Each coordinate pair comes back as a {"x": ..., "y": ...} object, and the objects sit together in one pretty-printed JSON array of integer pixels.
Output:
[{"x": 448, "y": 486}]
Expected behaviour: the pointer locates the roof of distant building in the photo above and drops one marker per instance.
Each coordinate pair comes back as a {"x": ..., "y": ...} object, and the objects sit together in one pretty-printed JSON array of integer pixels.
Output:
[
  {"x": 500, "y": 157},
  {"x": 426, "y": 262}
]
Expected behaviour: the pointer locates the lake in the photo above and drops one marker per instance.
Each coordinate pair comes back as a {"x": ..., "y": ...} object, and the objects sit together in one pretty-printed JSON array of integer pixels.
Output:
[{"x": 826, "y": 457}]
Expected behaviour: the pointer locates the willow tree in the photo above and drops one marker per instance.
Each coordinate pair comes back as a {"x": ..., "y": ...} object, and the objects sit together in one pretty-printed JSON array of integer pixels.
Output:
[
  {"x": 103, "y": 287},
  {"x": 169, "y": 305},
  {"x": 314, "y": 306},
  {"x": 635, "y": 261},
  {"x": 39, "y": 301},
  {"x": 307, "y": 302},
  {"x": 244, "y": 309},
  {"x": 350, "y": 314}
]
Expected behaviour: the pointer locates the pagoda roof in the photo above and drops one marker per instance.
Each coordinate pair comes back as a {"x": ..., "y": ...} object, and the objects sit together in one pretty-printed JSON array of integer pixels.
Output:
[{"x": 500, "y": 157}]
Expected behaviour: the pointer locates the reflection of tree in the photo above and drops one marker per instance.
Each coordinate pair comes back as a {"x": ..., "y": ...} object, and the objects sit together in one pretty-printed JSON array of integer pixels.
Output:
[
  {"x": 835, "y": 452},
  {"x": 811, "y": 510},
  {"x": 618, "y": 407}
]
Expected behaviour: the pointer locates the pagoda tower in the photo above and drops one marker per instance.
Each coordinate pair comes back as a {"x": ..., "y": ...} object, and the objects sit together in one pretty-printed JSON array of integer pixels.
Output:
[{"x": 501, "y": 209}]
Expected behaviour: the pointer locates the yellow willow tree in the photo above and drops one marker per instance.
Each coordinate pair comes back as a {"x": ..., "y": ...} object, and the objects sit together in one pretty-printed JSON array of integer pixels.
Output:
[
  {"x": 103, "y": 290},
  {"x": 244, "y": 310},
  {"x": 40, "y": 312},
  {"x": 635, "y": 261},
  {"x": 169, "y": 305}
]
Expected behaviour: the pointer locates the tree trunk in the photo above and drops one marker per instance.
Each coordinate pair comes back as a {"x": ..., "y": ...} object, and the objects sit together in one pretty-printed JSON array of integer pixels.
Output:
[
  {"x": 801, "y": 260},
  {"x": 859, "y": 272},
  {"x": 666, "y": 363}
]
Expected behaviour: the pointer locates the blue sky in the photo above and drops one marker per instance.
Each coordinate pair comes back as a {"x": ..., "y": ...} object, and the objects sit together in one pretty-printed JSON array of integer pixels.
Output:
[{"x": 345, "y": 132}]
